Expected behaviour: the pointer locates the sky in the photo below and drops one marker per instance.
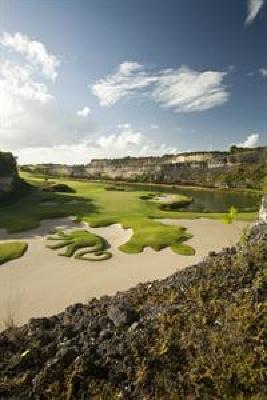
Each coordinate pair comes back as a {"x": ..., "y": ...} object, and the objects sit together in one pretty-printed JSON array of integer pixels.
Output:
[{"x": 83, "y": 79}]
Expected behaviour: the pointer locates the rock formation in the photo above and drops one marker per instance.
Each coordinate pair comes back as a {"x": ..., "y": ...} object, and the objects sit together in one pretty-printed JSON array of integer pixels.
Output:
[
  {"x": 198, "y": 334},
  {"x": 237, "y": 168},
  {"x": 8, "y": 175}
]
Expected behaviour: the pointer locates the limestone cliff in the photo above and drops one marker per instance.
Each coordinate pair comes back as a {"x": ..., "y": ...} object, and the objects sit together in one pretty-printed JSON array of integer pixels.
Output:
[{"x": 237, "y": 168}]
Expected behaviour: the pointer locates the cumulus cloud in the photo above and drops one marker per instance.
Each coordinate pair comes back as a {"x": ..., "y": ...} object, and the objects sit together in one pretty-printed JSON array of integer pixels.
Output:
[
  {"x": 30, "y": 115},
  {"x": 37, "y": 129},
  {"x": 84, "y": 112},
  {"x": 128, "y": 78},
  {"x": 35, "y": 52},
  {"x": 127, "y": 141},
  {"x": 182, "y": 89},
  {"x": 254, "y": 7},
  {"x": 186, "y": 90},
  {"x": 263, "y": 72},
  {"x": 251, "y": 141}
]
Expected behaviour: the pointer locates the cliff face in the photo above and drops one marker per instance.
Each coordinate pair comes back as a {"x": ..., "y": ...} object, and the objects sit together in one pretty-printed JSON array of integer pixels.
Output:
[
  {"x": 8, "y": 175},
  {"x": 198, "y": 334},
  {"x": 239, "y": 168},
  {"x": 263, "y": 210}
]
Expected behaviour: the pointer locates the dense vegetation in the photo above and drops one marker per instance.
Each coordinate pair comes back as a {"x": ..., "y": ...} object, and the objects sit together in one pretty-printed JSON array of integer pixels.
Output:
[
  {"x": 199, "y": 334},
  {"x": 249, "y": 176},
  {"x": 83, "y": 245},
  {"x": 11, "y": 250}
]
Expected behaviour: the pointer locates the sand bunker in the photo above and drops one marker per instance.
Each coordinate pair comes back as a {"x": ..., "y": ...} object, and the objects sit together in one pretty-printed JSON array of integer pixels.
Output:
[
  {"x": 165, "y": 197},
  {"x": 42, "y": 283}
]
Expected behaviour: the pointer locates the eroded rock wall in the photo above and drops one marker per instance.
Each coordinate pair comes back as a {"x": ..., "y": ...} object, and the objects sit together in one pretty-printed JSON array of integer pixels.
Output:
[{"x": 239, "y": 168}]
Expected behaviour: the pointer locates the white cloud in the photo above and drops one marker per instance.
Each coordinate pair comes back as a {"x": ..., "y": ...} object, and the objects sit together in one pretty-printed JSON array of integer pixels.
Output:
[
  {"x": 84, "y": 112},
  {"x": 126, "y": 142},
  {"x": 35, "y": 52},
  {"x": 263, "y": 72},
  {"x": 30, "y": 115},
  {"x": 251, "y": 141},
  {"x": 154, "y": 126},
  {"x": 254, "y": 7},
  {"x": 124, "y": 126},
  {"x": 183, "y": 89},
  {"x": 128, "y": 67},
  {"x": 16, "y": 83},
  {"x": 186, "y": 90},
  {"x": 128, "y": 78}
]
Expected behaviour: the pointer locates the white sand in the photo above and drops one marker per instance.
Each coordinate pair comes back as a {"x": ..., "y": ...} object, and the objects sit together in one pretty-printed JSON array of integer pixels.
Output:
[
  {"x": 165, "y": 197},
  {"x": 43, "y": 283}
]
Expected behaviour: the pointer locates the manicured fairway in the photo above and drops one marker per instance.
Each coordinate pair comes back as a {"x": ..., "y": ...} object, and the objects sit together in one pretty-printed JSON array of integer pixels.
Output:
[
  {"x": 12, "y": 250},
  {"x": 100, "y": 207}
]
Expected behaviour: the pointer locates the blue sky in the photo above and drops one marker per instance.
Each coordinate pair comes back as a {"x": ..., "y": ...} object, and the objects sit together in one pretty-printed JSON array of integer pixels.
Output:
[{"x": 106, "y": 78}]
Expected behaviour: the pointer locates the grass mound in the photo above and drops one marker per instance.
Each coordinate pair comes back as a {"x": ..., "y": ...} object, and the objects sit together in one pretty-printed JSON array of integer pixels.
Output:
[
  {"x": 80, "y": 244},
  {"x": 157, "y": 236},
  {"x": 12, "y": 250},
  {"x": 167, "y": 201}
]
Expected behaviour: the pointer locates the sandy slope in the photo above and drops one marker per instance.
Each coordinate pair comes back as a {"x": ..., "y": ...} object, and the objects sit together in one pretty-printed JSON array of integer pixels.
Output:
[{"x": 43, "y": 283}]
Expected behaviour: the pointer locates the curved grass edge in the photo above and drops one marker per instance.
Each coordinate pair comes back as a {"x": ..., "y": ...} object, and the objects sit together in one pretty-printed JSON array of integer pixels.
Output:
[
  {"x": 12, "y": 250},
  {"x": 167, "y": 201},
  {"x": 79, "y": 244},
  {"x": 173, "y": 238}
]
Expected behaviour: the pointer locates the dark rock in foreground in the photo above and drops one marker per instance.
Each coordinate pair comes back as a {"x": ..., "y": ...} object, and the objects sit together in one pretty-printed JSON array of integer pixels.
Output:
[{"x": 198, "y": 334}]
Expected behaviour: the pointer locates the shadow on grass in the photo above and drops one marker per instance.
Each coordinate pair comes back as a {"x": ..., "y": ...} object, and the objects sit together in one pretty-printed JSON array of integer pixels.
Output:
[{"x": 38, "y": 205}]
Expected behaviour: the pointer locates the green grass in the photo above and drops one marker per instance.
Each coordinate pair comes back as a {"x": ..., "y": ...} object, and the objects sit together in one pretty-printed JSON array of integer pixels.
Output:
[
  {"x": 12, "y": 250},
  {"x": 83, "y": 245},
  {"x": 168, "y": 202},
  {"x": 100, "y": 207}
]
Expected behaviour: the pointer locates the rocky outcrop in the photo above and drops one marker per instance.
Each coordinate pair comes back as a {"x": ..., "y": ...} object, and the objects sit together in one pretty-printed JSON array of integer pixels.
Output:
[
  {"x": 8, "y": 175},
  {"x": 237, "y": 168},
  {"x": 198, "y": 334},
  {"x": 263, "y": 210}
]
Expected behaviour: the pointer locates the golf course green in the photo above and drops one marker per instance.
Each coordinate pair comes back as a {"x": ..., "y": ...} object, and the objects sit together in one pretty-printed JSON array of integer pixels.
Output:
[{"x": 96, "y": 204}]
